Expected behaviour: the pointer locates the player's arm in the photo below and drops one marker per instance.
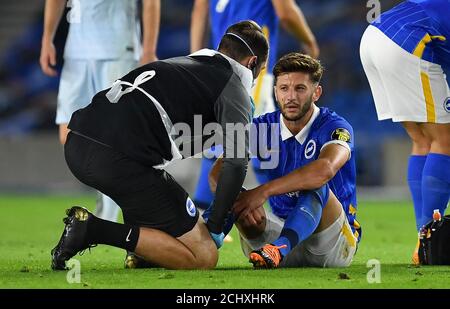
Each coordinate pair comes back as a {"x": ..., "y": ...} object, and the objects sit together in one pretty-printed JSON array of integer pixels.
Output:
[
  {"x": 151, "y": 15},
  {"x": 52, "y": 15},
  {"x": 214, "y": 174},
  {"x": 232, "y": 109},
  {"x": 292, "y": 19},
  {"x": 199, "y": 22},
  {"x": 308, "y": 177}
]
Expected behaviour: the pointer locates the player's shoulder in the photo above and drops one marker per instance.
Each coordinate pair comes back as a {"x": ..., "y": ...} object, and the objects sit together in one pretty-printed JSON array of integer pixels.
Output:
[
  {"x": 331, "y": 126},
  {"x": 329, "y": 118},
  {"x": 269, "y": 118}
]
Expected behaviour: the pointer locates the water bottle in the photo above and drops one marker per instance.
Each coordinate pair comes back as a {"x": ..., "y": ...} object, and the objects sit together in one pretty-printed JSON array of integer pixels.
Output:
[{"x": 436, "y": 218}]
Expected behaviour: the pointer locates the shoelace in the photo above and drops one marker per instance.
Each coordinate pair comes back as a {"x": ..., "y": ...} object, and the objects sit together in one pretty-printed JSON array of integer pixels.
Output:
[
  {"x": 88, "y": 248},
  {"x": 273, "y": 252}
]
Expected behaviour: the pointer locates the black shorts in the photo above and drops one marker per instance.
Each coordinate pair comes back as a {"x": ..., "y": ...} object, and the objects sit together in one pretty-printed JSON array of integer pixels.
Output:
[{"x": 148, "y": 197}]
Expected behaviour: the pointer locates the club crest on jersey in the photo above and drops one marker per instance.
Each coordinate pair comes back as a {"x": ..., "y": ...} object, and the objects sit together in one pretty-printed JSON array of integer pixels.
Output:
[
  {"x": 341, "y": 134},
  {"x": 190, "y": 207},
  {"x": 447, "y": 105},
  {"x": 310, "y": 149}
]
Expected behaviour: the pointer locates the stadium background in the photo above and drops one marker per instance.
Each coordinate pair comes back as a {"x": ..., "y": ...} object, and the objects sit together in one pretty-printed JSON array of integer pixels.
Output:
[{"x": 31, "y": 158}]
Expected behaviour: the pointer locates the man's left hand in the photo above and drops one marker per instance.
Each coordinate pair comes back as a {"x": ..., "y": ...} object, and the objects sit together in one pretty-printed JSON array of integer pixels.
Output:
[{"x": 248, "y": 201}]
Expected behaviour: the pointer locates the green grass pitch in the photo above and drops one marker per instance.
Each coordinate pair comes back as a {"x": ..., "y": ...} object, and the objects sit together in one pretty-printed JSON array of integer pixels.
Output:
[{"x": 31, "y": 225}]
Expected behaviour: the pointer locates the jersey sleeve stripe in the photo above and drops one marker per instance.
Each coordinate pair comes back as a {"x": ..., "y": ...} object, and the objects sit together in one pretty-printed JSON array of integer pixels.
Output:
[{"x": 342, "y": 143}]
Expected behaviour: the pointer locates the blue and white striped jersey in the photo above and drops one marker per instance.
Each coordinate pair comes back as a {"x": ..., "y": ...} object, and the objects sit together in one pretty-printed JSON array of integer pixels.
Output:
[
  {"x": 294, "y": 152},
  {"x": 421, "y": 27},
  {"x": 224, "y": 13}
]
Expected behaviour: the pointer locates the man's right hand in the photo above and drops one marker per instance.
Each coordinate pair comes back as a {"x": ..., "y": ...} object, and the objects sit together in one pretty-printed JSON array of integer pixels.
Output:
[
  {"x": 48, "y": 58},
  {"x": 248, "y": 201}
]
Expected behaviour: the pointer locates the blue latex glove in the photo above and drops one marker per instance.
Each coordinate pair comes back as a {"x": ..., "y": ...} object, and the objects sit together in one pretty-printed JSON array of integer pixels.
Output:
[{"x": 218, "y": 238}]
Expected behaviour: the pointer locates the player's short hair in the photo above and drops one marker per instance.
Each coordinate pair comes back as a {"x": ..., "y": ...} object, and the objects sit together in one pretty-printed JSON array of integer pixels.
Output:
[
  {"x": 297, "y": 62},
  {"x": 248, "y": 40}
]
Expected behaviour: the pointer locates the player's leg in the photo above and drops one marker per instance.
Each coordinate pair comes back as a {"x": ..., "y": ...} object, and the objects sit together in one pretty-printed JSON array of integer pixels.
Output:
[
  {"x": 194, "y": 249},
  {"x": 103, "y": 73},
  {"x": 152, "y": 202},
  {"x": 63, "y": 131},
  {"x": 254, "y": 236},
  {"x": 303, "y": 220},
  {"x": 400, "y": 84},
  {"x": 73, "y": 93},
  {"x": 333, "y": 244},
  {"x": 419, "y": 152},
  {"x": 106, "y": 208},
  {"x": 436, "y": 174},
  {"x": 79, "y": 83},
  {"x": 203, "y": 195},
  {"x": 435, "y": 101},
  {"x": 381, "y": 59}
]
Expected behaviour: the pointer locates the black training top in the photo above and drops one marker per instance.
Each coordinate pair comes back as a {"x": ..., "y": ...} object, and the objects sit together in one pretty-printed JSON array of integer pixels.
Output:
[{"x": 135, "y": 120}]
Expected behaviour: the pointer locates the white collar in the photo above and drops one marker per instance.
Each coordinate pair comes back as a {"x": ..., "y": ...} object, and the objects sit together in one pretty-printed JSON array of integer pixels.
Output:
[
  {"x": 303, "y": 134},
  {"x": 244, "y": 74}
]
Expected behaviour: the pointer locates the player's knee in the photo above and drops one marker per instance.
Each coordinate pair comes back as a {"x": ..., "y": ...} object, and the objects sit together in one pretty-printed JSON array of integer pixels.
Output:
[
  {"x": 204, "y": 250},
  {"x": 208, "y": 258},
  {"x": 443, "y": 141},
  {"x": 421, "y": 145},
  {"x": 211, "y": 261},
  {"x": 245, "y": 223},
  {"x": 249, "y": 229},
  {"x": 421, "y": 142}
]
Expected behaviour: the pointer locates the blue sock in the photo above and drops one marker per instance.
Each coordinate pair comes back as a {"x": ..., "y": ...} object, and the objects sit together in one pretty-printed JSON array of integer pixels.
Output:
[
  {"x": 203, "y": 195},
  {"x": 303, "y": 220},
  {"x": 415, "y": 168},
  {"x": 229, "y": 221},
  {"x": 435, "y": 185}
]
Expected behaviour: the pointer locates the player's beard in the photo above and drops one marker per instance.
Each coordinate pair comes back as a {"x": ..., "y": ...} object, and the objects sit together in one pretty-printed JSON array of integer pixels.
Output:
[{"x": 302, "y": 112}]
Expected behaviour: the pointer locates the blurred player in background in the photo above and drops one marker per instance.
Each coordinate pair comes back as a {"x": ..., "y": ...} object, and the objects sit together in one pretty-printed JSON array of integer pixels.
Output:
[
  {"x": 268, "y": 14},
  {"x": 312, "y": 191},
  {"x": 103, "y": 44},
  {"x": 121, "y": 142},
  {"x": 406, "y": 57}
]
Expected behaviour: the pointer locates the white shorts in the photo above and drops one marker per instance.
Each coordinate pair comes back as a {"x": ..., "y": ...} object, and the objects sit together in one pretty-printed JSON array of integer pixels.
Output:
[
  {"x": 262, "y": 95},
  {"x": 404, "y": 86},
  {"x": 333, "y": 247},
  {"x": 82, "y": 79}
]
